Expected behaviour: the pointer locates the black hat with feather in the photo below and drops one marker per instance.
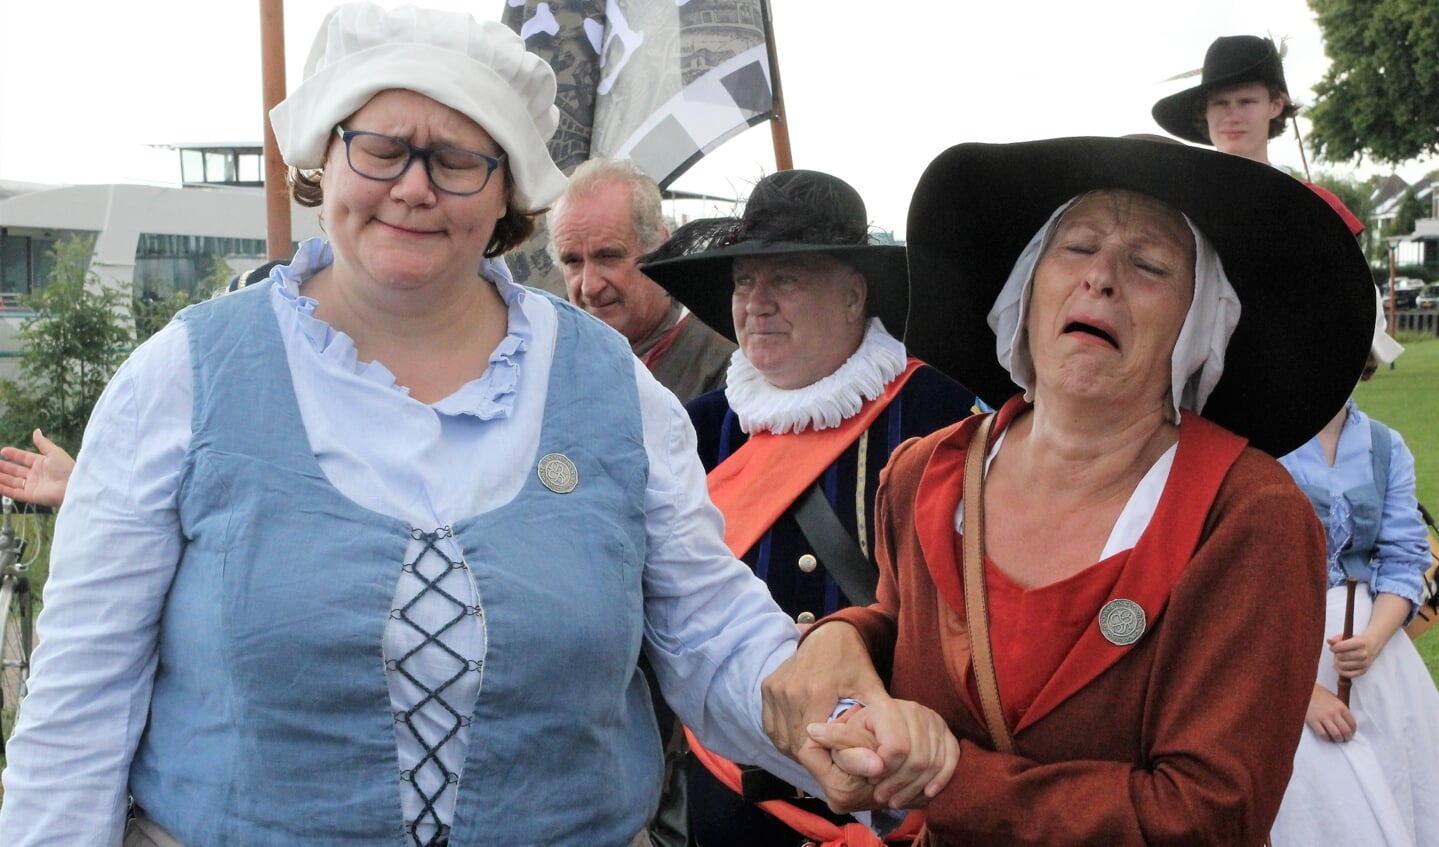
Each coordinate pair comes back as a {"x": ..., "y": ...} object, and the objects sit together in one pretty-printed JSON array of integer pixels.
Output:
[
  {"x": 789, "y": 212},
  {"x": 1231, "y": 60}
]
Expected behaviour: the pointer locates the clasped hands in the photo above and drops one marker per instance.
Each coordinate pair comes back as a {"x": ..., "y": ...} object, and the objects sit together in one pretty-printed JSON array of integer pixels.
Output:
[{"x": 887, "y": 753}]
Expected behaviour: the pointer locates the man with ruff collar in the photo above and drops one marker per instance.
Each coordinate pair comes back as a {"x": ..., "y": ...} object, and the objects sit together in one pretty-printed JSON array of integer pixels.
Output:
[{"x": 818, "y": 395}]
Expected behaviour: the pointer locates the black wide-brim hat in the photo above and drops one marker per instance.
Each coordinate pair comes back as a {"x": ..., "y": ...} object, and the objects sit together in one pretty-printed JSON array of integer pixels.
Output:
[
  {"x": 1230, "y": 60},
  {"x": 790, "y": 212},
  {"x": 1305, "y": 291}
]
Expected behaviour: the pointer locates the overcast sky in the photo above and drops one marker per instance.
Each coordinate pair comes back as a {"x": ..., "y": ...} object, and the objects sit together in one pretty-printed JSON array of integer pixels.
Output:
[{"x": 874, "y": 90}]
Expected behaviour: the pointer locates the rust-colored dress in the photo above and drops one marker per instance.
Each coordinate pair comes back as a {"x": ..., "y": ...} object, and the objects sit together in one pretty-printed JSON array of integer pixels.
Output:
[{"x": 1185, "y": 736}]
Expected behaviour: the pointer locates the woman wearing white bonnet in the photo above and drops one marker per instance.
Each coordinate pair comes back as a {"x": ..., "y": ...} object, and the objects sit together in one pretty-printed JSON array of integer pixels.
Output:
[
  {"x": 367, "y": 554},
  {"x": 1107, "y": 588}
]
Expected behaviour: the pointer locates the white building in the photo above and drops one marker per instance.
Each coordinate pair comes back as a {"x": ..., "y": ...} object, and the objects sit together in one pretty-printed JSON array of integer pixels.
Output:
[{"x": 150, "y": 239}]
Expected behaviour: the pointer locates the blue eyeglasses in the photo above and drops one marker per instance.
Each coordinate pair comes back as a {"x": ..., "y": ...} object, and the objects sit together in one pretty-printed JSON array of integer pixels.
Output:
[{"x": 385, "y": 158}]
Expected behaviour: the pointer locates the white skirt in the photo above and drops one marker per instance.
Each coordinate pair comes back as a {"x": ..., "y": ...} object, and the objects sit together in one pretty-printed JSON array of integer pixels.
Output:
[{"x": 1382, "y": 788}]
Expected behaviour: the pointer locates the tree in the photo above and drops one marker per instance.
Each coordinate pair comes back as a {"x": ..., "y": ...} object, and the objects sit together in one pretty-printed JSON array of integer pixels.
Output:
[
  {"x": 1380, "y": 96},
  {"x": 77, "y": 338},
  {"x": 1411, "y": 209},
  {"x": 1358, "y": 198},
  {"x": 215, "y": 276},
  {"x": 152, "y": 313},
  {"x": 1354, "y": 194}
]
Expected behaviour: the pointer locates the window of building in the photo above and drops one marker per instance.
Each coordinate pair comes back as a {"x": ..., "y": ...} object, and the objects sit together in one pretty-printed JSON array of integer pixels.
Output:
[
  {"x": 192, "y": 166},
  {"x": 252, "y": 168},
  {"x": 167, "y": 264},
  {"x": 14, "y": 265},
  {"x": 222, "y": 166},
  {"x": 26, "y": 260},
  {"x": 219, "y": 166}
]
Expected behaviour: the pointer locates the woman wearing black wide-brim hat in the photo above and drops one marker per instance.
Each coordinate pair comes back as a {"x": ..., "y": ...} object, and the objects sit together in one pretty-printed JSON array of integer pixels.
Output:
[{"x": 1109, "y": 588}]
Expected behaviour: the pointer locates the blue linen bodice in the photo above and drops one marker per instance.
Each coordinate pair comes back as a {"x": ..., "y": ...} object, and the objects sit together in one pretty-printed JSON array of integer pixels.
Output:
[
  {"x": 1353, "y": 517},
  {"x": 270, "y": 718}
]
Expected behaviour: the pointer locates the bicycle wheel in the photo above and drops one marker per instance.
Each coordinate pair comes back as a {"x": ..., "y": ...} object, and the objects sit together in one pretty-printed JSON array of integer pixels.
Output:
[{"x": 16, "y": 635}]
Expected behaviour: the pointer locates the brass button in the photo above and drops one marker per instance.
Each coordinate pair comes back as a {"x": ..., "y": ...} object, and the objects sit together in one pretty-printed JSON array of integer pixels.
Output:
[
  {"x": 808, "y": 563},
  {"x": 804, "y": 617}
]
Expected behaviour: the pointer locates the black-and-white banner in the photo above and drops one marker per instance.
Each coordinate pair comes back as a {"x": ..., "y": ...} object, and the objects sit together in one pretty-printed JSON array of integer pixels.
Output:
[{"x": 662, "y": 82}]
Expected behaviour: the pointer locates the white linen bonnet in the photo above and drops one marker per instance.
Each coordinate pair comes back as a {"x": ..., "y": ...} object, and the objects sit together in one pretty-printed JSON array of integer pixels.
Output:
[
  {"x": 1198, "y": 360},
  {"x": 478, "y": 68},
  {"x": 1384, "y": 349}
]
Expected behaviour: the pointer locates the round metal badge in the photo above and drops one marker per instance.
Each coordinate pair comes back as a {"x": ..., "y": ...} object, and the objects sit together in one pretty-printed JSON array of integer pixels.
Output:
[
  {"x": 1121, "y": 622},
  {"x": 558, "y": 473}
]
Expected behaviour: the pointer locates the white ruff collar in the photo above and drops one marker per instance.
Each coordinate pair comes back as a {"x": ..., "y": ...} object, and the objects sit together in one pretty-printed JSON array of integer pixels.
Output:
[{"x": 761, "y": 407}]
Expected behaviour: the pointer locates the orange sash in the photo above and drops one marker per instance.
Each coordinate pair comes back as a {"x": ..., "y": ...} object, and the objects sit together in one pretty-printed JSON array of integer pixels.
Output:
[
  {"x": 761, "y": 479},
  {"x": 752, "y": 488},
  {"x": 814, "y": 827}
]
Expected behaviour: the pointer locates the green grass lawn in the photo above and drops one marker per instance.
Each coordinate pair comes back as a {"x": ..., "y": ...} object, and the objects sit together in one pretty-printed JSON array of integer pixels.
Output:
[{"x": 1407, "y": 399}]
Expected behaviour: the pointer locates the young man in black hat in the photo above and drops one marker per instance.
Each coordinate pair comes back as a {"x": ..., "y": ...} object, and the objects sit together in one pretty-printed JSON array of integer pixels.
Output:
[
  {"x": 820, "y": 393},
  {"x": 1240, "y": 104}
]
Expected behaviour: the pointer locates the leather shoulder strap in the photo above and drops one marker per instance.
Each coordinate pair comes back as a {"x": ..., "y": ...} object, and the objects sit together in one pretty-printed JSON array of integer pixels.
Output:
[
  {"x": 976, "y": 601},
  {"x": 851, "y": 570}
]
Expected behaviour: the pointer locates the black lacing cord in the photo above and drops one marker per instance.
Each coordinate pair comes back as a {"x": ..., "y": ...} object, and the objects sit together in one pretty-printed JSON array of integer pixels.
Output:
[{"x": 438, "y": 566}]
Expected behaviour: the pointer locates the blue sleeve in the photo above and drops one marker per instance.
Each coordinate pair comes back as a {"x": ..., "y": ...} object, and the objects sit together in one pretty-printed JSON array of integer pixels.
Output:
[
  {"x": 1401, "y": 554},
  {"x": 712, "y": 630}
]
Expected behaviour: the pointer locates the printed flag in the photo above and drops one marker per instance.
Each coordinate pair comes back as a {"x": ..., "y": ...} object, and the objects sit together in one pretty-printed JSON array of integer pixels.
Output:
[{"x": 662, "y": 82}]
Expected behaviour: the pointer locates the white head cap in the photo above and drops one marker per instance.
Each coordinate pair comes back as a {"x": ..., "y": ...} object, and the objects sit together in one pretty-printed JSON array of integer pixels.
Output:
[
  {"x": 479, "y": 69},
  {"x": 1198, "y": 360},
  {"x": 1384, "y": 348}
]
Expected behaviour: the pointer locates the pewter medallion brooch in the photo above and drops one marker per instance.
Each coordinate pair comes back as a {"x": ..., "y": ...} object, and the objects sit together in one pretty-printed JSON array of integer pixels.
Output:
[
  {"x": 558, "y": 473},
  {"x": 1121, "y": 622}
]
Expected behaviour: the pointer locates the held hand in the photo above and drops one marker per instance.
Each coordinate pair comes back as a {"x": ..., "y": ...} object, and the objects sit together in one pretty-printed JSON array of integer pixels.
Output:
[
  {"x": 854, "y": 749},
  {"x": 1329, "y": 717},
  {"x": 38, "y": 478},
  {"x": 845, "y": 771},
  {"x": 904, "y": 751},
  {"x": 831, "y": 664}
]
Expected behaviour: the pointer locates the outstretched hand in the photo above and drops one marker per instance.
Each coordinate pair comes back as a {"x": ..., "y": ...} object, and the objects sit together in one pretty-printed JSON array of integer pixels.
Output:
[{"x": 38, "y": 478}]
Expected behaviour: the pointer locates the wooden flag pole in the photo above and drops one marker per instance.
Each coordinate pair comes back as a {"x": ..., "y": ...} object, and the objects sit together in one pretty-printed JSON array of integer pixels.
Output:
[
  {"x": 1304, "y": 160},
  {"x": 779, "y": 129},
  {"x": 272, "y": 74},
  {"x": 1345, "y": 682}
]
